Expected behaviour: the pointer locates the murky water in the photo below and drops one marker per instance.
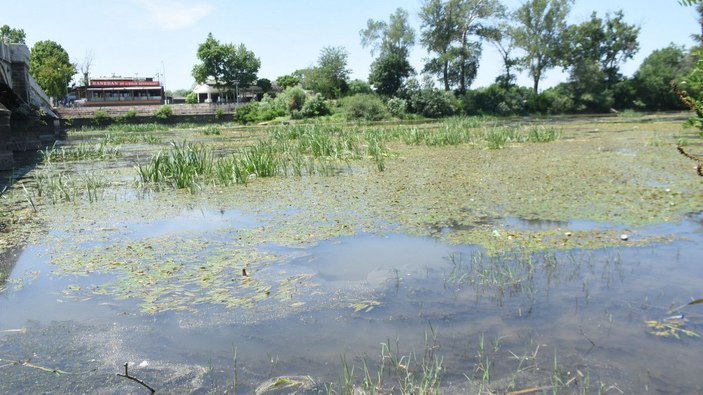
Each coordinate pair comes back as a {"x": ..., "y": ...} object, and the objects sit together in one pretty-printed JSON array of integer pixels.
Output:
[{"x": 586, "y": 310}]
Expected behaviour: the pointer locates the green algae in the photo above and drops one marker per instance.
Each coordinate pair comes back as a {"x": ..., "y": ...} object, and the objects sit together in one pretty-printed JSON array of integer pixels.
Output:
[{"x": 458, "y": 193}]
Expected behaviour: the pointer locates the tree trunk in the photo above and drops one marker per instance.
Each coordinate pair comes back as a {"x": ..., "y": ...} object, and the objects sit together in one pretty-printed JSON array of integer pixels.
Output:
[{"x": 445, "y": 75}]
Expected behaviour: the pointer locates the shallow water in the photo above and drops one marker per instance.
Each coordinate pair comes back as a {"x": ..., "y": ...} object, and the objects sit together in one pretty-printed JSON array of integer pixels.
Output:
[
  {"x": 302, "y": 276},
  {"x": 585, "y": 308}
]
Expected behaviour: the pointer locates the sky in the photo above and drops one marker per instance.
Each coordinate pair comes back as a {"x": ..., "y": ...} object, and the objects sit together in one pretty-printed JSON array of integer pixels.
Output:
[{"x": 159, "y": 38}]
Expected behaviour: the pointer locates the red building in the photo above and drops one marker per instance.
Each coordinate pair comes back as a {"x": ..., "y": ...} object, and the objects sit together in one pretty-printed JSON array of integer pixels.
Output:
[{"x": 122, "y": 92}]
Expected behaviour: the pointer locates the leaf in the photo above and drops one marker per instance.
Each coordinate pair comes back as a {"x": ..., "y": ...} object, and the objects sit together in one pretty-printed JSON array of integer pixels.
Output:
[{"x": 696, "y": 301}]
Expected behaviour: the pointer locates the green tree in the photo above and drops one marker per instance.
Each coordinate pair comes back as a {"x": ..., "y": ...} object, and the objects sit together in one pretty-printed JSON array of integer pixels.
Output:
[
  {"x": 505, "y": 44},
  {"x": 330, "y": 77},
  {"x": 10, "y": 35},
  {"x": 50, "y": 66},
  {"x": 287, "y": 81},
  {"x": 453, "y": 31},
  {"x": 227, "y": 64},
  {"x": 264, "y": 84},
  {"x": 537, "y": 29},
  {"x": 653, "y": 78},
  {"x": 593, "y": 51},
  {"x": 394, "y": 39}
]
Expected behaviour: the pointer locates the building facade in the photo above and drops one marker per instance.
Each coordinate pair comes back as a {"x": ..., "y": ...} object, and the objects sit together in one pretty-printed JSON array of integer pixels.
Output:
[{"x": 122, "y": 92}]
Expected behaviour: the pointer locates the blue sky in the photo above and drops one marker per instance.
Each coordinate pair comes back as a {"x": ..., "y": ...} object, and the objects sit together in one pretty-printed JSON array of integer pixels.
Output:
[{"x": 146, "y": 37}]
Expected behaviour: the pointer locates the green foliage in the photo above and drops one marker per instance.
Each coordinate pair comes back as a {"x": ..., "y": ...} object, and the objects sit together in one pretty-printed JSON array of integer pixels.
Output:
[
  {"x": 496, "y": 99},
  {"x": 101, "y": 118},
  {"x": 10, "y": 35},
  {"x": 50, "y": 66},
  {"x": 164, "y": 112},
  {"x": 315, "y": 106},
  {"x": 219, "y": 113},
  {"x": 447, "y": 31},
  {"x": 537, "y": 31},
  {"x": 330, "y": 76},
  {"x": 226, "y": 64},
  {"x": 247, "y": 113},
  {"x": 192, "y": 98},
  {"x": 293, "y": 98},
  {"x": 389, "y": 71},
  {"x": 397, "y": 106},
  {"x": 652, "y": 80},
  {"x": 287, "y": 81},
  {"x": 358, "y": 87},
  {"x": 429, "y": 101},
  {"x": 264, "y": 84},
  {"x": 128, "y": 117},
  {"x": 365, "y": 107}
]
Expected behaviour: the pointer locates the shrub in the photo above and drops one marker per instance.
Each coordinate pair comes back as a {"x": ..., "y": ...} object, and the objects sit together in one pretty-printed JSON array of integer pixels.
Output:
[
  {"x": 315, "y": 106},
  {"x": 397, "y": 106},
  {"x": 293, "y": 98},
  {"x": 127, "y": 117},
  {"x": 247, "y": 113},
  {"x": 164, "y": 112},
  {"x": 101, "y": 118},
  {"x": 219, "y": 113},
  {"x": 192, "y": 98},
  {"x": 366, "y": 107}
]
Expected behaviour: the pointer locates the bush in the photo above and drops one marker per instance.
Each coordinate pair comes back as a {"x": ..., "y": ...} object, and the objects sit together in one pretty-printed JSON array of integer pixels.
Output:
[
  {"x": 397, "y": 106},
  {"x": 433, "y": 103},
  {"x": 293, "y": 98},
  {"x": 219, "y": 113},
  {"x": 315, "y": 106},
  {"x": 357, "y": 87},
  {"x": 101, "y": 118},
  {"x": 366, "y": 107},
  {"x": 248, "y": 113},
  {"x": 192, "y": 98},
  {"x": 164, "y": 112},
  {"x": 127, "y": 117}
]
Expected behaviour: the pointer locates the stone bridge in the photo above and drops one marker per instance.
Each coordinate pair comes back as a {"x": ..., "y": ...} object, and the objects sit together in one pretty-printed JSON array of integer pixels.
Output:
[{"x": 27, "y": 119}]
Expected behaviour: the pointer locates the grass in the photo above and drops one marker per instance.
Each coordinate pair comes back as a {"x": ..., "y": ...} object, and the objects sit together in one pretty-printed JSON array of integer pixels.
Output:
[{"x": 82, "y": 151}]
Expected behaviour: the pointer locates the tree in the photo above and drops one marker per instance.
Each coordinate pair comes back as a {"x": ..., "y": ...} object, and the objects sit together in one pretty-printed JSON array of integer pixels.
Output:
[
  {"x": 330, "y": 76},
  {"x": 287, "y": 81},
  {"x": 447, "y": 29},
  {"x": 653, "y": 78},
  {"x": 10, "y": 35},
  {"x": 228, "y": 65},
  {"x": 593, "y": 51},
  {"x": 394, "y": 39},
  {"x": 264, "y": 84},
  {"x": 505, "y": 44},
  {"x": 51, "y": 68},
  {"x": 537, "y": 31},
  {"x": 85, "y": 68}
]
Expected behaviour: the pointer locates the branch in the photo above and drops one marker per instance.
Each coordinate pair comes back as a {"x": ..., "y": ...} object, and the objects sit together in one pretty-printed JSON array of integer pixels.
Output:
[{"x": 127, "y": 376}]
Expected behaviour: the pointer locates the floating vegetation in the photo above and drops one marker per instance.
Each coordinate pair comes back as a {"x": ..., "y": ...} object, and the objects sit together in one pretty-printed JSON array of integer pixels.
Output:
[{"x": 670, "y": 326}]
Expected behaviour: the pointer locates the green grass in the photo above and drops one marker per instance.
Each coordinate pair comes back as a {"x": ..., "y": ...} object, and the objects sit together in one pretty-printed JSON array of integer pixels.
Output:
[{"x": 82, "y": 151}]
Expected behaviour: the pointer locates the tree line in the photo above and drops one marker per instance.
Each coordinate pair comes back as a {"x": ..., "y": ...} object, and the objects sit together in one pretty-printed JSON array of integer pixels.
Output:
[{"x": 534, "y": 38}]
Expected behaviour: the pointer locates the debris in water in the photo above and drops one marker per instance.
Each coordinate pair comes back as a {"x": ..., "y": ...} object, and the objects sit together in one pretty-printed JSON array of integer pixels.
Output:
[{"x": 624, "y": 237}]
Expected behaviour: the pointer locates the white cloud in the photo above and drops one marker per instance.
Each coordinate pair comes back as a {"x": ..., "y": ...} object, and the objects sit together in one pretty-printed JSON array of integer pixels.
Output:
[{"x": 174, "y": 15}]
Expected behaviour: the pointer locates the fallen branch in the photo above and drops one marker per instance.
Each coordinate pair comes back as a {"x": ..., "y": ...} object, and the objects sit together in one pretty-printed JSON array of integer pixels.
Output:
[{"x": 127, "y": 376}]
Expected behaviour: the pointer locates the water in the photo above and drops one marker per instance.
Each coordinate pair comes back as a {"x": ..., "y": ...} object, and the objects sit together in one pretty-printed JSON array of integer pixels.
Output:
[{"x": 586, "y": 309}]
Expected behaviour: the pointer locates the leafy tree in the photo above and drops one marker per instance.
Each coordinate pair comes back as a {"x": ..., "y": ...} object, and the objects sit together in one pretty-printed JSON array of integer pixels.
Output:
[
  {"x": 608, "y": 42},
  {"x": 505, "y": 44},
  {"x": 537, "y": 31},
  {"x": 287, "y": 81},
  {"x": 264, "y": 84},
  {"x": 394, "y": 39},
  {"x": 50, "y": 66},
  {"x": 653, "y": 78},
  {"x": 330, "y": 76},
  {"x": 358, "y": 86},
  {"x": 593, "y": 51},
  {"x": 447, "y": 31},
  {"x": 10, "y": 35},
  {"x": 389, "y": 71},
  {"x": 227, "y": 64}
]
